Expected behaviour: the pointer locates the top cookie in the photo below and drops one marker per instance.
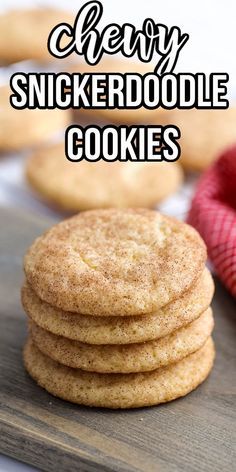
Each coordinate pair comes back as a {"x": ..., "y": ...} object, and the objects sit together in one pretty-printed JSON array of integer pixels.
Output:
[
  {"x": 204, "y": 135},
  {"x": 115, "y": 261},
  {"x": 24, "y": 33}
]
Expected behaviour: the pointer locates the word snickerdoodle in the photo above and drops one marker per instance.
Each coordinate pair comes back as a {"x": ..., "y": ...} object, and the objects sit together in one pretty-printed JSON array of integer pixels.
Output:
[{"x": 159, "y": 88}]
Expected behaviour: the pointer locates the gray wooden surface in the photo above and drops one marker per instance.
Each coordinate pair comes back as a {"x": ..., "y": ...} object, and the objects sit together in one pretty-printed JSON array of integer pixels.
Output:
[{"x": 196, "y": 433}]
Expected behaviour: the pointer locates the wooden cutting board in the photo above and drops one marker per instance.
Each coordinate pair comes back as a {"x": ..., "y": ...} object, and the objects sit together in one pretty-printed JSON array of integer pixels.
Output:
[{"x": 195, "y": 433}]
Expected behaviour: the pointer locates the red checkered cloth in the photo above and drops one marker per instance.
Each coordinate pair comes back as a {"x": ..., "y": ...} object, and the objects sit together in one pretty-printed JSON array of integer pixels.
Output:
[{"x": 213, "y": 214}]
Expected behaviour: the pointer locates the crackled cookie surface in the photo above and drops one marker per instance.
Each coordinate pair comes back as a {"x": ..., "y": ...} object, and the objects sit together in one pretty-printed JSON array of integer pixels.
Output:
[
  {"x": 75, "y": 186},
  {"x": 141, "y": 357},
  {"x": 120, "y": 390},
  {"x": 121, "y": 329},
  {"x": 119, "y": 262}
]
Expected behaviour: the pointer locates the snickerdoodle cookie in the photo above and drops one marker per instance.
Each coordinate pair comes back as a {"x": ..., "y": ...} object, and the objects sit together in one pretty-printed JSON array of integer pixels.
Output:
[
  {"x": 121, "y": 329},
  {"x": 204, "y": 135},
  {"x": 115, "y": 262},
  {"x": 84, "y": 185},
  {"x": 120, "y": 390},
  {"x": 26, "y": 128},
  {"x": 141, "y": 357},
  {"x": 24, "y": 33}
]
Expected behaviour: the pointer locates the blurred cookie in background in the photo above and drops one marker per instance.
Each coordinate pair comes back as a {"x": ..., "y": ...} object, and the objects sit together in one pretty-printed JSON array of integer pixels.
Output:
[
  {"x": 76, "y": 186},
  {"x": 204, "y": 135},
  {"x": 20, "y": 129},
  {"x": 120, "y": 116},
  {"x": 24, "y": 33}
]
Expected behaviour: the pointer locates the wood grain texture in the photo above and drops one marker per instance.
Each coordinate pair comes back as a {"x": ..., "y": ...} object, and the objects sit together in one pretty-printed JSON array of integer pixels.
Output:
[{"x": 195, "y": 433}]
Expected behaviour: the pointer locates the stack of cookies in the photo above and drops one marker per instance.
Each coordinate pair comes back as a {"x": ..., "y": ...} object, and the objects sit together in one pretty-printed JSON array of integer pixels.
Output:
[{"x": 118, "y": 306}]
